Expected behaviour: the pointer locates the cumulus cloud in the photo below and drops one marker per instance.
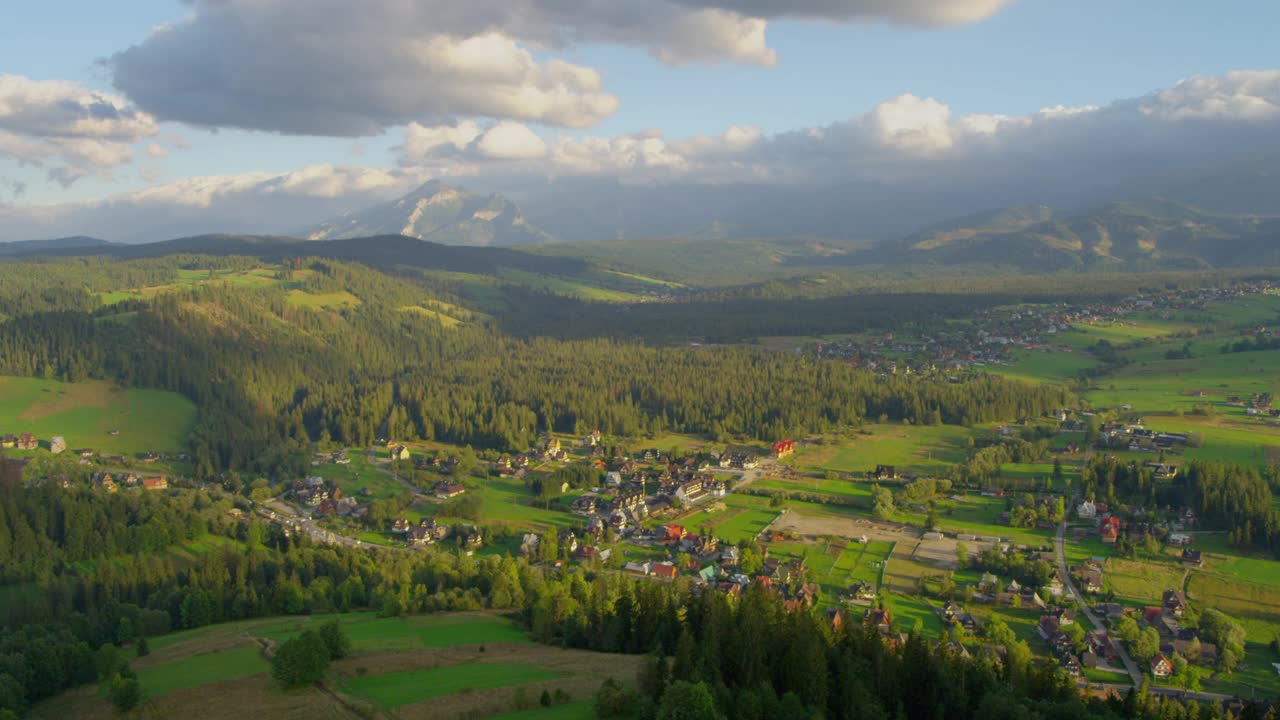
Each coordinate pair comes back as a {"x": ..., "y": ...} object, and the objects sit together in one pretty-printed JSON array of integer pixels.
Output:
[
  {"x": 909, "y": 138},
  {"x": 68, "y": 127},
  {"x": 256, "y": 202},
  {"x": 334, "y": 67},
  {"x": 978, "y": 160}
]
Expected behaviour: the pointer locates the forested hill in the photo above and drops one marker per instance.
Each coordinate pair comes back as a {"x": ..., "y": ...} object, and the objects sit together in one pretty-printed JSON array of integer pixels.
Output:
[
  {"x": 1131, "y": 236},
  {"x": 384, "y": 251},
  {"x": 318, "y": 349}
]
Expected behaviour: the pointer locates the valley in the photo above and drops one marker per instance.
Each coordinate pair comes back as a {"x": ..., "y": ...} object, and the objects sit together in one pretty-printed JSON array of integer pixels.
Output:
[{"x": 902, "y": 467}]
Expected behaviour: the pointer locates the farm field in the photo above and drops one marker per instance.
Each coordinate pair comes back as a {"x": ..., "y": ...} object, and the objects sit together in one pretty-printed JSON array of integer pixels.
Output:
[
  {"x": 353, "y": 478},
  {"x": 743, "y": 517},
  {"x": 419, "y": 631},
  {"x": 411, "y": 686},
  {"x": 201, "y": 669},
  {"x": 919, "y": 449},
  {"x": 427, "y": 666},
  {"x": 96, "y": 414}
]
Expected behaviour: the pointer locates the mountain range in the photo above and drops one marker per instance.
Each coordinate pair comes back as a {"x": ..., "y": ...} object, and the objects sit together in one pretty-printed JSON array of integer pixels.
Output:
[{"x": 439, "y": 213}]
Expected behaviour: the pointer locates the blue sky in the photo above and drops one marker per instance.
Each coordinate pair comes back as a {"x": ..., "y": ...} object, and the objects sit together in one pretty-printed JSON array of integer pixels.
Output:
[{"x": 1027, "y": 55}]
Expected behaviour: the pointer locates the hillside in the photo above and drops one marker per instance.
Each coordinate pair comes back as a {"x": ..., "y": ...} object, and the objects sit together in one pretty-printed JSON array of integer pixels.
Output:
[
  {"x": 1125, "y": 236},
  {"x": 31, "y": 247},
  {"x": 439, "y": 213}
]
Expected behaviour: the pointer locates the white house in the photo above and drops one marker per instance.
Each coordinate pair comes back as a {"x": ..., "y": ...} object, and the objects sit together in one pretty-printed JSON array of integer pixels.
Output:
[{"x": 1087, "y": 510}]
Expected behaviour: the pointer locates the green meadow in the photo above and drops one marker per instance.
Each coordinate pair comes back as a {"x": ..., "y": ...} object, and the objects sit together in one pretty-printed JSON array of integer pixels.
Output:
[
  {"x": 96, "y": 414},
  {"x": 392, "y": 690},
  {"x": 201, "y": 669}
]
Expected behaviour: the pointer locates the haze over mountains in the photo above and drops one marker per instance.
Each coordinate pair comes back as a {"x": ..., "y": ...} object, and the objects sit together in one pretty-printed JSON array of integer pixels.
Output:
[{"x": 439, "y": 213}]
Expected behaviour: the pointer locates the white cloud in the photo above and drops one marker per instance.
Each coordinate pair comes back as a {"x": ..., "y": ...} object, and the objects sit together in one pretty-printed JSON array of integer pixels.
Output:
[
  {"x": 67, "y": 127},
  {"x": 257, "y": 202},
  {"x": 978, "y": 160},
  {"x": 911, "y": 138},
  {"x": 156, "y": 150},
  {"x": 335, "y": 67}
]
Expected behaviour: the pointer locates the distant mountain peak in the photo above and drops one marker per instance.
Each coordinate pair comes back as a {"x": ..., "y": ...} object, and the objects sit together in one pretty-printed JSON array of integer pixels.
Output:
[{"x": 440, "y": 213}]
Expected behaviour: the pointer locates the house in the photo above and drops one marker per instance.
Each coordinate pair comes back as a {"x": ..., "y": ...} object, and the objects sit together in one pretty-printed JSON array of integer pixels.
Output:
[
  {"x": 529, "y": 543},
  {"x": 635, "y": 568},
  {"x": 862, "y": 591},
  {"x": 593, "y": 438},
  {"x": 57, "y": 444},
  {"x": 158, "y": 482},
  {"x": 885, "y": 472},
  {"x": 1161, "y": 667},
  {"x": 783, "y": 448},
  {"x": 27, "y": 441},
  {"x": 444, "y": 491},
  {"x": 399, "y": 526},
  {"x": 1087, "y": 510},
  {"x": 1112, "y": 611},
  {"x": 665, "y": 571},
  {"x": 1089, "y": 578},
  {"x": 835, "y": 618},
  {"x": 1178, "y": 539},
  {"x": 1109, "y": 530},
  {"x": 1191, "y": 557},
  {"x": 879, "y": 619},
  {"x": 9, "y": 441},
  {"x": 1175, "y": 602},
  {"x": 150, "y": 457},
  {"x": 419, "y": 536},
  {"x": 672, "y": 532},
  {"x": 399, "y": 452},
  {"x": 553, "y": 446},
  {"x": 1162, "y": 471}
]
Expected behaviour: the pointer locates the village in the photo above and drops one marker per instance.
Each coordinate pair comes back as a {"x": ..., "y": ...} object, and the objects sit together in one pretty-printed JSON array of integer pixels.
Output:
[{"x": 992, "y": 336}]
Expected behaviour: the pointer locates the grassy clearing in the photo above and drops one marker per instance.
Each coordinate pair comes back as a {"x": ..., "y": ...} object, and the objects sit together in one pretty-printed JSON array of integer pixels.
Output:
[
  {"x": 507, "y": 500},
  {"x": 1142, "y": 581},
  {"x": 1042, "y": 366},
  {"x": 158, "y": 680},
  {"x": 358, "y": 475},
  {"x": 88, "y": 413},
  {"x": 566, "y": 286},
  {"x": 322, "y": 301},
  {"x": 743, "y": 518},
  {"x": 919, "y": 449},
  {"x": 371, "y": 633},
  {"x": 391, "y": 690}
]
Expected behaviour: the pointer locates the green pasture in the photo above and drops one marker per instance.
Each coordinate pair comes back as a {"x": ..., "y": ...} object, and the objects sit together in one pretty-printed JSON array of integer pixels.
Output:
[
  {"x": 744, "y": 517},
  {"x": 507, "y": 500},
  {"x": 1046, "y": 366},
  {"x": 87, "y": 414},
  {"x": 392, "y": 690},
  {"x": 369, "y": 633},
  {"x": 360, "y": 474},
  {"x": 157, "y": 680},
  {"x": 920, "y": 449}
]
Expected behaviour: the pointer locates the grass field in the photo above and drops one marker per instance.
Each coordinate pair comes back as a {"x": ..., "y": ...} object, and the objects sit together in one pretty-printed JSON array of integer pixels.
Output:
[
  {"x": 88, "y": 413},
  {"x": 201, "y": 669},
  {"x": 358, "y": 475},
  {"x": 919, "y": 449},
  {"x": 391, "y": 690},
  {"x": 743, "y": 517},
  {"x": 370, "y": 633}
]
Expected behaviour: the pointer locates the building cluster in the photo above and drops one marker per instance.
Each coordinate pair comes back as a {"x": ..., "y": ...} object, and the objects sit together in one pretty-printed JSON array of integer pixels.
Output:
[
  {"x": 325, "y": 499},
  {"x": 113, "y": 482},
  {"x": 994, "y": 334}
]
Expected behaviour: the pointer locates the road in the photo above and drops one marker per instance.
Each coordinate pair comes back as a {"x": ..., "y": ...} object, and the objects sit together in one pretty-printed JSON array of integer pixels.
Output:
[
  {"x": 287, "y": 516},
  {"x": 1060, "y": 549},
  {"x": 373, "y": 463}
]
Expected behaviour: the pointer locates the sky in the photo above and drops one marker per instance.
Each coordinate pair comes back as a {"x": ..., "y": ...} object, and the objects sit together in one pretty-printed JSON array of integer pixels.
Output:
[{"x": 318, "y": 105}]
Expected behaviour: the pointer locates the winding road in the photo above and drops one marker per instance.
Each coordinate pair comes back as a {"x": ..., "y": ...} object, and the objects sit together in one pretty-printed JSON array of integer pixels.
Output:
[{"x": 1060, "y": 550}]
